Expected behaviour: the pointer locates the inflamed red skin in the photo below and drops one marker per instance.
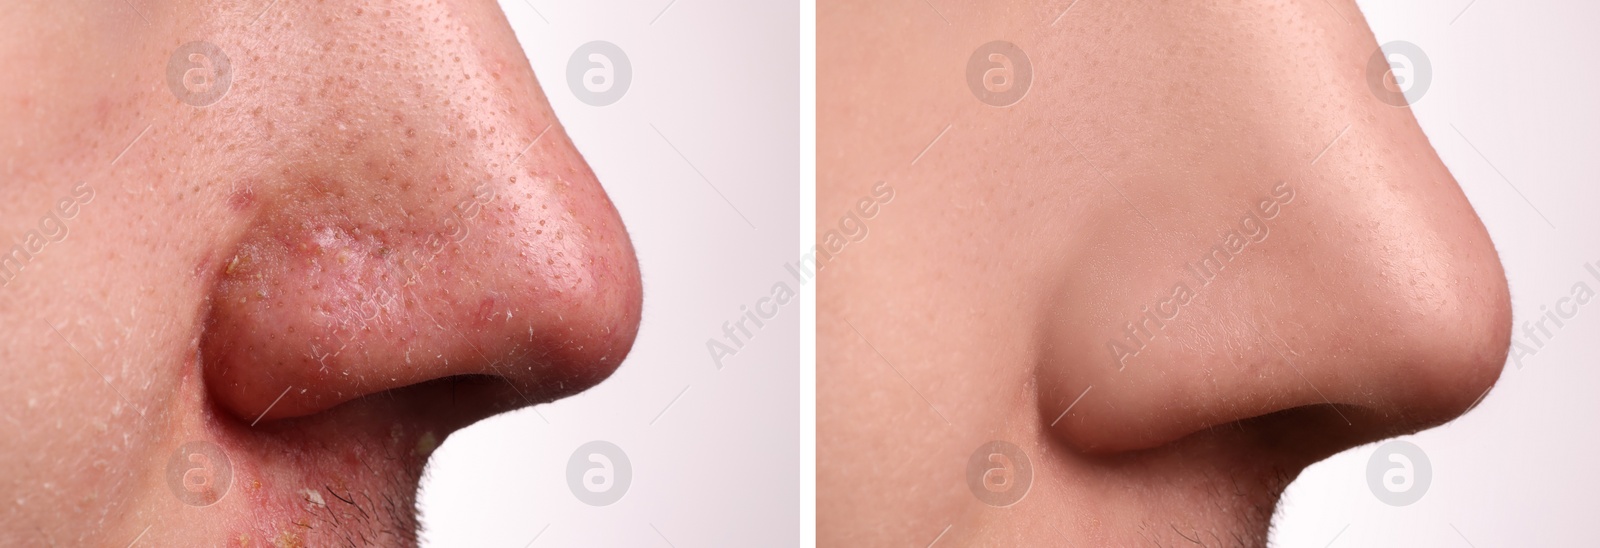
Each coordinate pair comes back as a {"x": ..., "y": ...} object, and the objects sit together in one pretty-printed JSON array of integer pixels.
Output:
[{"x": 378, "y": 235}]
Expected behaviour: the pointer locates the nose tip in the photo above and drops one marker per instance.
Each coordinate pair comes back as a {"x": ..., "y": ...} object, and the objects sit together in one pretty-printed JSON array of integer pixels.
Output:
[{"x": 343, "y": 287}]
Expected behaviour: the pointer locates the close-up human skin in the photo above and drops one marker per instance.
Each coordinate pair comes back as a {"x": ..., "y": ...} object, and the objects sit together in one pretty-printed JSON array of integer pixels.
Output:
[
  {"x": 927, "y": 273},
  {"x": 1168, "y": 256},
  {"x": 253, "y": 283}
]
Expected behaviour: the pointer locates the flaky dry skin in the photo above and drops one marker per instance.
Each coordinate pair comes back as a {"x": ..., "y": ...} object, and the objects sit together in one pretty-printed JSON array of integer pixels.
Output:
[
  {"x": 1054, "y": 252},
  {"x": 378, "y": 235}
]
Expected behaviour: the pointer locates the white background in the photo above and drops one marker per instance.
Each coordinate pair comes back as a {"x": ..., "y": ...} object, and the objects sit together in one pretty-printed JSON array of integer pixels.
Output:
[
  {"x": 1518, "y": 80},
  {"x": 721, "y": 466}
]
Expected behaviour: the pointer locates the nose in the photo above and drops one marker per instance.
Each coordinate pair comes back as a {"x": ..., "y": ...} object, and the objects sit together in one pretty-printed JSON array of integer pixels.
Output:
[
  {"x": 426, "y": 221},
  {"x": 1358, "y": 302}
]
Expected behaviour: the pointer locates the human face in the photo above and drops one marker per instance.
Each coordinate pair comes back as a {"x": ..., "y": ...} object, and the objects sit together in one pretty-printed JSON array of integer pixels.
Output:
[
  {"x": 243, "y": 305},
  {"x": 1197, "y": 255}
]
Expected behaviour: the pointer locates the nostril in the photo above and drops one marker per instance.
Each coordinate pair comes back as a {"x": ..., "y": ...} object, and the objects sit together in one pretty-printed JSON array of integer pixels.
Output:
[{"x": 1303, "y": 396}]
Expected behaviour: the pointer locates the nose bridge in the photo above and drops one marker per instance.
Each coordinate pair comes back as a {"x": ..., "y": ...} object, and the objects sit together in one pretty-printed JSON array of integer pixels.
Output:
[{"x": 404, "y": 74}]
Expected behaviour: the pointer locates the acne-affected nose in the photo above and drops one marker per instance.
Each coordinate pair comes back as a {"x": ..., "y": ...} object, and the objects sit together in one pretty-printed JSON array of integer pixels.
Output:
[
  {"x": 328, "y": 298},
  {"x": 427, "y": 220}
]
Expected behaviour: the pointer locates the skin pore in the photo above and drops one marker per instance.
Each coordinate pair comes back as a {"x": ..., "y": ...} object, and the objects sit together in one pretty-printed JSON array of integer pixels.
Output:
[
  {"x": 1198, "y": 255},
  {"x": 377, "y": 235}
]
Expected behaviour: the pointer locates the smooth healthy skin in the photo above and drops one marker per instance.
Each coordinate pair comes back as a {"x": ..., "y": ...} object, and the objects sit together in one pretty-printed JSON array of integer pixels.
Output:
[
  {"x": 1198, "y": 255},
  {"x": 246, "y": 318}
]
